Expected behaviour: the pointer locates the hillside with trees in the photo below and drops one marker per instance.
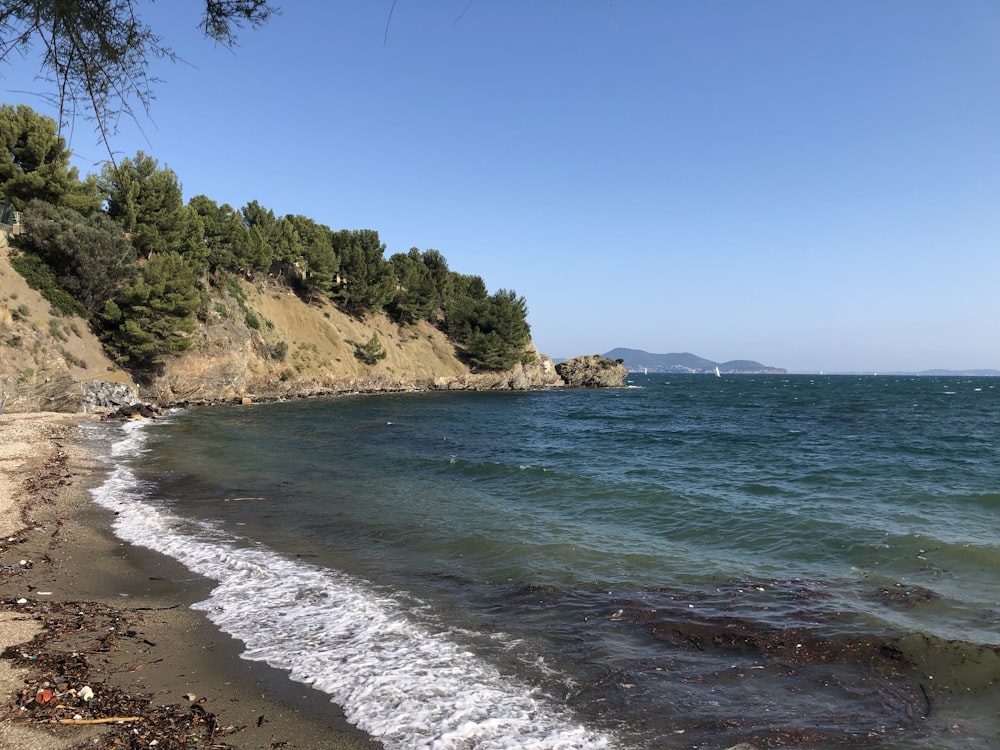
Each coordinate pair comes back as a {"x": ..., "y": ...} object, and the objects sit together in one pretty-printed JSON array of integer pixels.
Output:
[{"x": 156, "y": 277}]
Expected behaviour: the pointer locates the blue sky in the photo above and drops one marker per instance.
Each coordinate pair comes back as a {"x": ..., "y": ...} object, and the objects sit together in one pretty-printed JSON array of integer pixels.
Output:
[{"x": 812, "y": 184}]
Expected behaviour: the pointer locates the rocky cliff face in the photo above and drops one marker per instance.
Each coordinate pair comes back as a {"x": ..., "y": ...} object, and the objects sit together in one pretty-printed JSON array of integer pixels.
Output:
[
  {"x": 592, "y": 371},
  {"x": 255, "y": 341}
]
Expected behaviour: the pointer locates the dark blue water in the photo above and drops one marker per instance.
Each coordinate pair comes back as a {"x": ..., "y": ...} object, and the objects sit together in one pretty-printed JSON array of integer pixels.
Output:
[{"x": 690, "y": 562}]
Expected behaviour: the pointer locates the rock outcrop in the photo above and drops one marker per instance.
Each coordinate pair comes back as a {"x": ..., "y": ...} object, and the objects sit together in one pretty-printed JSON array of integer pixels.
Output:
[
  {"x": 541, "y": 373},
  {"x": 103, "y": 395},
  {"x": 592, "y": 371}
]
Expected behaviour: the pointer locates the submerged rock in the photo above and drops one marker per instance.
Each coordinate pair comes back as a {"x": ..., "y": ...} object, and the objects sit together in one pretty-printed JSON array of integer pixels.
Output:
[{"x": 134, "y": 411}]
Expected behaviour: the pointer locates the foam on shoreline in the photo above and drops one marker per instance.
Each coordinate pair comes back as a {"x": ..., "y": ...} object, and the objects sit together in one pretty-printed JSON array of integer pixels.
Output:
[{"x": 402, "y": 683}]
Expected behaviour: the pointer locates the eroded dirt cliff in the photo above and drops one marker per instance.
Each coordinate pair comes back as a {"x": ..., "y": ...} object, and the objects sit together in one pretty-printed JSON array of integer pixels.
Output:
[{"x": 254, "y": 340}]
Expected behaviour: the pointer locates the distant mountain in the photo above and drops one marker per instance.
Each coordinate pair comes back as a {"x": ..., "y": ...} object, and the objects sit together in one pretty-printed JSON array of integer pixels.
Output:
[
  {"x": 636, "y": 360},
  {"x": 962, "y": 373},
  {"x": 981, "y": 373}
]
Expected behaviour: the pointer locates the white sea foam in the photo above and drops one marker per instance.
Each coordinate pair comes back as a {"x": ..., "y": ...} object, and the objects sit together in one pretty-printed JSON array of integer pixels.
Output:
[{"x": 404, "y": 684}]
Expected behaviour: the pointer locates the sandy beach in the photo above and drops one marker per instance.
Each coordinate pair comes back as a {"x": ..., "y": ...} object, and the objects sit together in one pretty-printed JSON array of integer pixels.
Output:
[{"x": 100, "y": 648}]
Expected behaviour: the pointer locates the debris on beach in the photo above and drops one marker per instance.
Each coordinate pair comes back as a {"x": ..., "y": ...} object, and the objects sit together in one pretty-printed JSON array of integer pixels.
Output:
[{"x": 63, "y": 684}]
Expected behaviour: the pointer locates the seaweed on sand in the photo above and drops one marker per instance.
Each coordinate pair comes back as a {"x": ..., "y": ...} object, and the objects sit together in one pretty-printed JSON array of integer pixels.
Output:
[{"x": 66, "y": 682}]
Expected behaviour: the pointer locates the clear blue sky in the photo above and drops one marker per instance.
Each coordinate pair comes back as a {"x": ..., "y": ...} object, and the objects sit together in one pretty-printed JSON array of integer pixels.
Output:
[{"x": 812, "y": 184}]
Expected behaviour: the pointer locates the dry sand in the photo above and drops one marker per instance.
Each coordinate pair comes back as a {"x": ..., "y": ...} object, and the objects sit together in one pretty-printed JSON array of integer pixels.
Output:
[{"x": 78, "y": 605}]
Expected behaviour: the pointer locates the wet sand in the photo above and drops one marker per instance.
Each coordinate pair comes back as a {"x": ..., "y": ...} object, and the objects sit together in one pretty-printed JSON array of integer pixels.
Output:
[{"x": 77, "y": 604}]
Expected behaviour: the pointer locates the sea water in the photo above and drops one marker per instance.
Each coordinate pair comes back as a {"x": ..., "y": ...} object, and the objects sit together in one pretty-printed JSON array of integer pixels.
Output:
[{"x": 787, "y": 561}]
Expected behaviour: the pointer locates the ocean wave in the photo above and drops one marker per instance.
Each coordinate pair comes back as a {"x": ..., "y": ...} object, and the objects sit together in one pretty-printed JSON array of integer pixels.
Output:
[{"x": 407, "y": 685}]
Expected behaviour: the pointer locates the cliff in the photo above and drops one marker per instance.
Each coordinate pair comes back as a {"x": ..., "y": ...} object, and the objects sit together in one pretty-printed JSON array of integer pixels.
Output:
[
  {"x": 256, "y": 341},
  {"x": 294, "y": 349}
]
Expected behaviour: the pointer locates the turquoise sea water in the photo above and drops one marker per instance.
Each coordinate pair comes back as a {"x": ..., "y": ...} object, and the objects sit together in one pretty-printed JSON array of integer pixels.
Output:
[{"x": 800, "y": 562}]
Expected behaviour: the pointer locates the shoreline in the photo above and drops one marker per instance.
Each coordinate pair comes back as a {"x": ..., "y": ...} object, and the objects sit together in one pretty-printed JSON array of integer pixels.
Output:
[{"x": 65, "y": 578}]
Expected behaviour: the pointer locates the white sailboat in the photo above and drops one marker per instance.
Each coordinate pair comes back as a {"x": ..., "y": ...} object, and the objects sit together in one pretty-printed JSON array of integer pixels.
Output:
[{"x": 717, "y": 373}]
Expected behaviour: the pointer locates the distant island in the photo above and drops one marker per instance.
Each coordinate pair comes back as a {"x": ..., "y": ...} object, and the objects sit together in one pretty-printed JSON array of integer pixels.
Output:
[
  {"x": 637, "y": 360},
  {"x": 976, "y": 373}
]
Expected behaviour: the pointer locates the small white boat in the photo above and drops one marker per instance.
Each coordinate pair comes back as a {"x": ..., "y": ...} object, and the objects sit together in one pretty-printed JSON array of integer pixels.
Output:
[{"x": 717, "y": 373}]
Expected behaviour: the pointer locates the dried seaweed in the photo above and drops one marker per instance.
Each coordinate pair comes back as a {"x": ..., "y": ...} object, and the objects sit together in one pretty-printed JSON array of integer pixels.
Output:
[{"x": 63, "y": 687}]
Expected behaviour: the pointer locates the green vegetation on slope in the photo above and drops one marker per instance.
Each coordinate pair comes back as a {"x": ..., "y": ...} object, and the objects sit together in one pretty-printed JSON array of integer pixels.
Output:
[{"x": 123, "y": 249}]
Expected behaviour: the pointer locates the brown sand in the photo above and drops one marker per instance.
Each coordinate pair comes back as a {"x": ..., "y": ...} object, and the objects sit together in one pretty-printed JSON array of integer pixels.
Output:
[{"x": 117, "y": 617}]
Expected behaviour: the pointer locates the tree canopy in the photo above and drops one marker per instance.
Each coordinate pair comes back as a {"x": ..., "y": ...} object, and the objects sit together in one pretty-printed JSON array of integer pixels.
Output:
[
  {"x": 368, "y": 279},
  {"x": 152, "y": 318},
  {"x": 96, "y": 56},
  {"x": 493, "y": 329},
  {"x": 147, "y": 201},
  {"x": 90, "y": 257},
  {"x": 34, "y": 163}
]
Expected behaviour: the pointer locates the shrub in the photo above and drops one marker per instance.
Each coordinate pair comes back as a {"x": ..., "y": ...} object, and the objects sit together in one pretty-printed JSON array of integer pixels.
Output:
[
  {"x": 56, "y": 330},
  {"x": 371, "y": 351},
  {"x": 72, "y": 360},
  {"x": 278, "y": 351},
  {"x": 42, "y": 278}
]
